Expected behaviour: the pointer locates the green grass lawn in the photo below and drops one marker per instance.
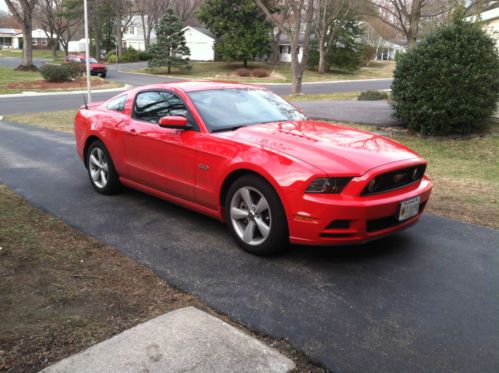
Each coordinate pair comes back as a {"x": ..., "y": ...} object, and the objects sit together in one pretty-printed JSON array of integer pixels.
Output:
[
  {"x": 37, "y": 53},
  {"x": 9, "y": 75},
  {"x": 464, "y": 172},
  {"x": 278, "y": 73}
]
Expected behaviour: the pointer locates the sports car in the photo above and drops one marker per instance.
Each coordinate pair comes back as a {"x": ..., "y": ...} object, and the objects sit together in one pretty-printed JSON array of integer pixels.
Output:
[{"x": 245, "y": 156}]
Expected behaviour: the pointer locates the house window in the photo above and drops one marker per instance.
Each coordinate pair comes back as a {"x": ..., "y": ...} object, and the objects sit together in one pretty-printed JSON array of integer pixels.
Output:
[
  {"x": 44, "y": 42},
  {"x": 280, "y": 49},
  {"x": 35, "y": 42},
  {"x": 289, "y": 49}
]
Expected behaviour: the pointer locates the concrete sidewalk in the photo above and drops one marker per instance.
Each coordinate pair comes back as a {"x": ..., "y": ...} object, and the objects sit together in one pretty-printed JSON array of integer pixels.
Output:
[{"x": 183, "y": 340}]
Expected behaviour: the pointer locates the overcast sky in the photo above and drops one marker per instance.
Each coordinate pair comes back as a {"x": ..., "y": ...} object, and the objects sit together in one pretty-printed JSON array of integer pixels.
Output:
[{"x": 2, "y": 5}]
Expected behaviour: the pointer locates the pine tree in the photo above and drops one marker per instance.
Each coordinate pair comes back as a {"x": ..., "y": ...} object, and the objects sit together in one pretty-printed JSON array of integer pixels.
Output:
[
  {"x": 170, "y": 49},
  {"x": 241, "y": 28}
]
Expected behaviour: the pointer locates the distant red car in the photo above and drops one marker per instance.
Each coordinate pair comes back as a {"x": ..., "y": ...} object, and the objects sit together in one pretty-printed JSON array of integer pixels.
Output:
[
  {"x": 96, "y": 68},
  {"x": 245, "y": 156}
]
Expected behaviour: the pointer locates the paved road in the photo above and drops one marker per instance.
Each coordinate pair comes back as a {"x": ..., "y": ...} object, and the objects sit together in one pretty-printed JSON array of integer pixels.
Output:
[
  {"x": 423, "y": 300},
  {"x": 366, "y": 112}
]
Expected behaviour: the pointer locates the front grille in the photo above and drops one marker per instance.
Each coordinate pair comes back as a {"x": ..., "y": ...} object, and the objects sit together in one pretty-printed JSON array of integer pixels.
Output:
[{"x": 394, "y": 180}]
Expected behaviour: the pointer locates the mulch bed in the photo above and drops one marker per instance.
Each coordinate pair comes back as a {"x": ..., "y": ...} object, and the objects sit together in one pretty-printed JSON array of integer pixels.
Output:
[{"x": 42, "y": 84}]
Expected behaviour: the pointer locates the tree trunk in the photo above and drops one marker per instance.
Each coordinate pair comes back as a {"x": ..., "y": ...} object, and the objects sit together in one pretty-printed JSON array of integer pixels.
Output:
[
  {"x": 144, "y": 31},
  {"x": 97, "y": 35},
  {"x": 413, "y": 31},
  {"x": 27, "y": 60},
  {"x": 274, "y": 56},
  {"x": 297, "y": 70},
  {"x": 245, "y": 63},
  {"x": 119, "y": 38},
  {"x": 322, "y": 58},
  {"x": 55, "y": 47}
]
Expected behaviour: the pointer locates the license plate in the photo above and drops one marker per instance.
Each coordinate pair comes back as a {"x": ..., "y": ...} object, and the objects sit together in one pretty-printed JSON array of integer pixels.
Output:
[{"x": 409, "y": 208}]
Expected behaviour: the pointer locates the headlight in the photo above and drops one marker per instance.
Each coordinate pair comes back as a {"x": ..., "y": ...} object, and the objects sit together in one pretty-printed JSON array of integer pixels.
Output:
[{"x": 328, "y": 185}]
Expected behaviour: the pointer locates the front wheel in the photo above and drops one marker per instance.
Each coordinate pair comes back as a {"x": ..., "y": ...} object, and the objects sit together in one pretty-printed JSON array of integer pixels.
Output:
[
  {"x": 101, "y": 171},
  {"x": 256, "y": 217}
]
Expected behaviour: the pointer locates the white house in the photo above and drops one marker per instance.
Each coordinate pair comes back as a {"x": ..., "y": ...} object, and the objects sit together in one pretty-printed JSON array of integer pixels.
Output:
[
  {"x": 6, "y": 37},
  {"x": 41, "y": 39},
  {"x": 285, "y": 48},
  {"x": 199, "y": 40},
  {"x": 490, "y": 18},
  {"x": 201, "y": 43}
]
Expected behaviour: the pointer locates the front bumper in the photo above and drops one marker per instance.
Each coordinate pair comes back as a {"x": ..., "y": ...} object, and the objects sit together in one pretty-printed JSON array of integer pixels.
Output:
[
  {"x": 337, "y": 219},
  {"x": 98, "y": 71}
]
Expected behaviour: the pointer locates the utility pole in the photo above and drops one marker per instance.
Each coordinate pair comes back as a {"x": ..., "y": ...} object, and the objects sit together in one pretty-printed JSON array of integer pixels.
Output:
[{"x": 87, "y": 52}]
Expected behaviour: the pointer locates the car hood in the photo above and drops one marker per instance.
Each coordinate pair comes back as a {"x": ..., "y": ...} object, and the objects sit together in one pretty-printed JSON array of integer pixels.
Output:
[
  {"x": 334, "y": 149},
  {"x": 97, "y": 66}
]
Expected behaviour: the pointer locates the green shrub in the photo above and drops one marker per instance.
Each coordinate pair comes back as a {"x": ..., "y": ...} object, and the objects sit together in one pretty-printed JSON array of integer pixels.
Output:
[
  {"x": 75, "y": 70},
  {"x": 56, "y": 73},
  {"x": 448, "y": 83},
  {"x": 111, "y": 58},
  {"x": 144, "y": 56},
  {"x": 129, "y": 55},
  {"x": 372, "y": 96}
]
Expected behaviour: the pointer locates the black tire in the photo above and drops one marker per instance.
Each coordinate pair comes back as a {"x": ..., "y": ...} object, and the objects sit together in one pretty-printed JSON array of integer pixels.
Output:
[
  {"x": 103, "y": 76},
  {"x": 112, "y": 185},
  {"x": 277, "y": 240}
]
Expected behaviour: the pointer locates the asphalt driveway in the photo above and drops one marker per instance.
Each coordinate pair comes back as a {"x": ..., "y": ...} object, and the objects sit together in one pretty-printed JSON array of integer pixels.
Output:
[{"x": 423, "y": 300}]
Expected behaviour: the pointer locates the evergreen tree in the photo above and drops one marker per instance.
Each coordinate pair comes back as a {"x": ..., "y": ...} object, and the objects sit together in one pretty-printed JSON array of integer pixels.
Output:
[
  {"x": 170, "y": 48},
  {"x": 241, "y": 28},
  {"x": 346, "y": 51}
]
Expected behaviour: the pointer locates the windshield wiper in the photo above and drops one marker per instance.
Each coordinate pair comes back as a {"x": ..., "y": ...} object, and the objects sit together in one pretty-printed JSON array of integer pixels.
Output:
[{"x": 223, "y": 129}]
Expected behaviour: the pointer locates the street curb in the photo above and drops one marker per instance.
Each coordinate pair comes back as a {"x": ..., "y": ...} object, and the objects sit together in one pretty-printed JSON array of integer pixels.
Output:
[
  {"x": 38, "y": 94},
  {"x": 255, "y": 83}
]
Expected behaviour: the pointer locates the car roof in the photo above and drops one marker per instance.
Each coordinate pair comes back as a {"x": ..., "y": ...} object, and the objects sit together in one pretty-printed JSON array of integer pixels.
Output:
[{"x": 198, "y": 85}]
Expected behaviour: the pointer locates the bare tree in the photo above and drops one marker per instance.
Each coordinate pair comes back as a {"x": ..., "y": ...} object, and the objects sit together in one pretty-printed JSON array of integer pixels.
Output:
[
  {"x": 294, "y": 19},
  {"x": 405, "y": 15},
  {"x": 59, "y": 18},
  {"x": 185, "y": 10},
  {"x": 330, "y": 15},
  {"x": 123, "y": 13},
  {"x": 150, "y": 11},
  {"x": 376, "y": 33},
  {"x": 7, "y": 20},
  {"x": 22, "y": 10}
]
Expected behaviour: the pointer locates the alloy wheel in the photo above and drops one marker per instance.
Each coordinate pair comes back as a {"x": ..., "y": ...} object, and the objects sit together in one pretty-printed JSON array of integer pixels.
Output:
[{"x": 250, "y": 216}]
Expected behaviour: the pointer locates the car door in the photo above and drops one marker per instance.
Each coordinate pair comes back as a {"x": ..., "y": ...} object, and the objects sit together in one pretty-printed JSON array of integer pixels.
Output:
[{"x": 161, "y": 158}]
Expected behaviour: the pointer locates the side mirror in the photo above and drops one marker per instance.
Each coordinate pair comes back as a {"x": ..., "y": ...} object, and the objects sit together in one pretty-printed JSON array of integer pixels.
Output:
[{"x": 174, "y": 121}]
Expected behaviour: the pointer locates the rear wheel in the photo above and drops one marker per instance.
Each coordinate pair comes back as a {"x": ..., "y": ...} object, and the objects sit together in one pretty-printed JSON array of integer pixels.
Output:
[
  {"x": 101, "y": 171},
  {"x": 255, "y": 216}
]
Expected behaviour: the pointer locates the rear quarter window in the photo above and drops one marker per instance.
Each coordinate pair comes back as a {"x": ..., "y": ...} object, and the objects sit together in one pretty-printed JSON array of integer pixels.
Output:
[{"x": 117, "y": 104}]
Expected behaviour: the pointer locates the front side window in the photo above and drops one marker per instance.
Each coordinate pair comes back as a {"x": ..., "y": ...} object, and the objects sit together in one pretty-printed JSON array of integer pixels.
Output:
[
  {"x": 151, "y": 106},
  {"x": 223, "y": 109},
  {"x": 117, "y": 104}
]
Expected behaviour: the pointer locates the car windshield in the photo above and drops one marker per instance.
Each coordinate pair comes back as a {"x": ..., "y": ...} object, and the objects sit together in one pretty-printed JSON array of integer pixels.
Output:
[
  {"x": 91, "y": 60},
  {"x": 226, "y": 109}
]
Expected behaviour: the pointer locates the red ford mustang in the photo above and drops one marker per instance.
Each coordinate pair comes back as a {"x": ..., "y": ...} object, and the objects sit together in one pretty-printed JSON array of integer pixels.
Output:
[{"x": 245, "y": 156}]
